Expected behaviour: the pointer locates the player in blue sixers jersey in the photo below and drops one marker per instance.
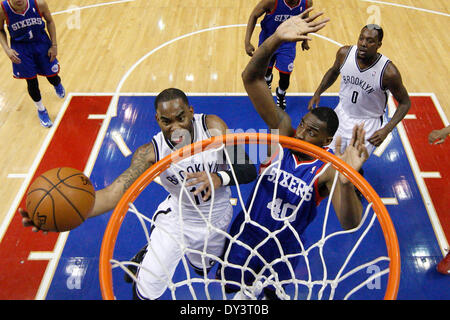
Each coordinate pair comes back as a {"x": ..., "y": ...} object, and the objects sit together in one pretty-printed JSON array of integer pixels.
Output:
[
  {"x": 32, "y": 51},
  {"x": 295, "y": 173},
  {"x": 277, "y": 11}
]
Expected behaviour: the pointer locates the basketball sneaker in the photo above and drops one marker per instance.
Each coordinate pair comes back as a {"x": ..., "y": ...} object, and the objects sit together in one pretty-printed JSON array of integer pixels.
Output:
[
  {"x": 269, "y": 80},
  {"x": 137, "y": 259},
  {"x": 281, "y": 99},
  {"x": 60, "y": 91},
  {"x": 444, "y": 266},
  {"x": 45, "y": 119}
]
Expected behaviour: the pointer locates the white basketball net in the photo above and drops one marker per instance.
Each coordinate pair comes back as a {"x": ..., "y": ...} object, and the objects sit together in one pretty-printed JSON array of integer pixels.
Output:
[{"x": 310, "y": 286}]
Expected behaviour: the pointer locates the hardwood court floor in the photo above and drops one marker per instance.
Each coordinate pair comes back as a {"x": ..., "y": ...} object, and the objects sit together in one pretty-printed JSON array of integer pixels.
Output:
[{"x": 148, "y": 45}]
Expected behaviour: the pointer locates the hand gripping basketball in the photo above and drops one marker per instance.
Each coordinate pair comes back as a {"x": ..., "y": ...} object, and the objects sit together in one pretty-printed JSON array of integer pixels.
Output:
[{"x": 58, "y": 200}]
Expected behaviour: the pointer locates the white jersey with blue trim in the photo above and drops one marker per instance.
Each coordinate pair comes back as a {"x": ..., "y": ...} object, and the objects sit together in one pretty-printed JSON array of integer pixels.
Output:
[
  {"x": 362, "y": 94},
  {"x": 172, "y": 178}
]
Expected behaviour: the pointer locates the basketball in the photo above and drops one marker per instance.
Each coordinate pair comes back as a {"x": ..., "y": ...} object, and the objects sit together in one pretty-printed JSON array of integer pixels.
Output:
[{"x": 60, "y": 199}]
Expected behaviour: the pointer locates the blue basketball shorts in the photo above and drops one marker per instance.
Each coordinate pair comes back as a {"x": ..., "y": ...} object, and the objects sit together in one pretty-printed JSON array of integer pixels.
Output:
[
  {"x": 283, "y": 58},
  {"x": 242, "y": 260},
  {"x": 34, "y": 60}
]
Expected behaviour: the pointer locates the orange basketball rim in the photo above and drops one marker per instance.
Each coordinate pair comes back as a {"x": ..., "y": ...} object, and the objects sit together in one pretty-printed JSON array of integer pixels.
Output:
[{"x": 112, "y": 229}]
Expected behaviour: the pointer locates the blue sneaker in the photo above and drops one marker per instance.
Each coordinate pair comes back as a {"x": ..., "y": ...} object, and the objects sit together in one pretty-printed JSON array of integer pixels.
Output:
[
  {"x": 45, "y": 119},
  {"x": 60, "y": 91}
]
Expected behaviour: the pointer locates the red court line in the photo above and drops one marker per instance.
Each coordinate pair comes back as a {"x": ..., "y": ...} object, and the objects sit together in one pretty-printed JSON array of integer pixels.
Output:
[
  {"x": 431, "y": 157},
  {"x": 70, "y": 147}
]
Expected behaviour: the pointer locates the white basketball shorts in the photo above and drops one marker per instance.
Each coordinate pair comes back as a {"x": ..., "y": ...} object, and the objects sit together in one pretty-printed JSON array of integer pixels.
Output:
[
  {"x": 171, "y": 239},
  {"x": 345, "y": 130}
]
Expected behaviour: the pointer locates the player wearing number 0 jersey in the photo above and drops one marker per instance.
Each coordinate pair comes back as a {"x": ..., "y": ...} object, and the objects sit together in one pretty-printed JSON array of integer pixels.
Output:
[
  {"x": 277, "y": 198},
  {"x": 362, "y": 97},
  {"x": 366, "y": 78},
  {"x": 32, "y": 51}
]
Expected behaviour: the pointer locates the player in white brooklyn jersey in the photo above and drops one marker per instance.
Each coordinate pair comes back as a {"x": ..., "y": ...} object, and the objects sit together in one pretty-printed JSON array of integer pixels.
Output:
[
  {"x": 179, "y": 127},
  {"x": 367, "y": 76}
]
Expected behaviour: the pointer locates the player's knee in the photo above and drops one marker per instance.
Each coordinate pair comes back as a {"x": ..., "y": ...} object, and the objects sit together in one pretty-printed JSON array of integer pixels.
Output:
[{"x": 54, "y": 80}]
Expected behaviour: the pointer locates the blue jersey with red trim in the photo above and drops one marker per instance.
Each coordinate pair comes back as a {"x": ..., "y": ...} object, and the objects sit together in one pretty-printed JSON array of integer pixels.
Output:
[
  {"x": 281, "y": 13},
  {"x": 28, "y": 26},
  {"x": 294, "y": 182}
]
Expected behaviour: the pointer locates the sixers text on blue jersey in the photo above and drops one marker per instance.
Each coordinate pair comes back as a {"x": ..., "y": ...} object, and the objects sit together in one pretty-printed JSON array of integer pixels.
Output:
[
  {"x": 284, "y": 185},
  {"x": 32, "y": 51},
  {"x": 27, "y": 26}
]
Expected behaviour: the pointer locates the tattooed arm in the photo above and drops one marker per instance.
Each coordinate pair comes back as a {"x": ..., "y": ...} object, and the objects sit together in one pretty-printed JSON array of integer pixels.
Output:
[{"x": 106, "y": 199}]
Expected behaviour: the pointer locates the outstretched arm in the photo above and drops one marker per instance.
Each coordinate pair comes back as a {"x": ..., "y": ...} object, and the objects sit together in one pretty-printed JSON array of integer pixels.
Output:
[
  {"x": 346, "y": 203},
  {"x": 330, "y": 77},
  {"x": 106, "y": 199},
  {"x": 293, "y": 29}
]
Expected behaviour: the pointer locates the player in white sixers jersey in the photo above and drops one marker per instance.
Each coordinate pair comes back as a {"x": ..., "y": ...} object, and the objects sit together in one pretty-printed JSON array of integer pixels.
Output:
[
  {"x": 33, "y": 52},
  {"x": 276, "y": 11},
  {"x": 366, "y": 78},
  {"x": 297, "y": 169}
]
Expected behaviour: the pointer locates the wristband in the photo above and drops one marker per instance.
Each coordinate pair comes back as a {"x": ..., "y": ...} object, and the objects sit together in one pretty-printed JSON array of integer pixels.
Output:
[{"x": 224, "y": 177}]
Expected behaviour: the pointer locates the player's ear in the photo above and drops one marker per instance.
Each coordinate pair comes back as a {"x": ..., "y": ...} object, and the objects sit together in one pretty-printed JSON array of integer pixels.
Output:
[
  {"x": 328, "y": 140},
  {"x": 191, "y": 111}
]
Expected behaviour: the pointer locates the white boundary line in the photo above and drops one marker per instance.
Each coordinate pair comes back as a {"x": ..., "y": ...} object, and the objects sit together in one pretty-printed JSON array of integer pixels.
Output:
[
  {"x": 117, "y": 138},
  {"x": 54, "y": 258},
  {"x": 432, "y": 215},
  {"x": 91, "y": 6},
  {"x": 408, "y": 7},
  {"x": 17, "y": 175},
  {"x": 112, "y": 109},
  {"x": 28, "y": 176},
  {"x": 113, "y": 105}
]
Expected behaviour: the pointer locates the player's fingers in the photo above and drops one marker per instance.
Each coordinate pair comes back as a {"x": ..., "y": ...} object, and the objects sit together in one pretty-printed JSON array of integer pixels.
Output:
[
  {"x": 207, "y": 194},
  {"x": 202, "y": 187},
  {"x": 193, "y": 178},
  {"x": 316, "y": 26},
  {"x": 338, "y": 145},
  {"x": 26, "y": 222},
  {"x": 361, "y": 134},
  {"x": 363, "y": 153},
  {"x": 23, "y": 213},
  {"x": 302, "y": 37},
  {"x": 305, "y": 13},
  {"x": 191, "y": 182},
  {"x": 439, "y": 141},
  {"x": 354, "y": 135},
  {"x": 192, "y": 175}
]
